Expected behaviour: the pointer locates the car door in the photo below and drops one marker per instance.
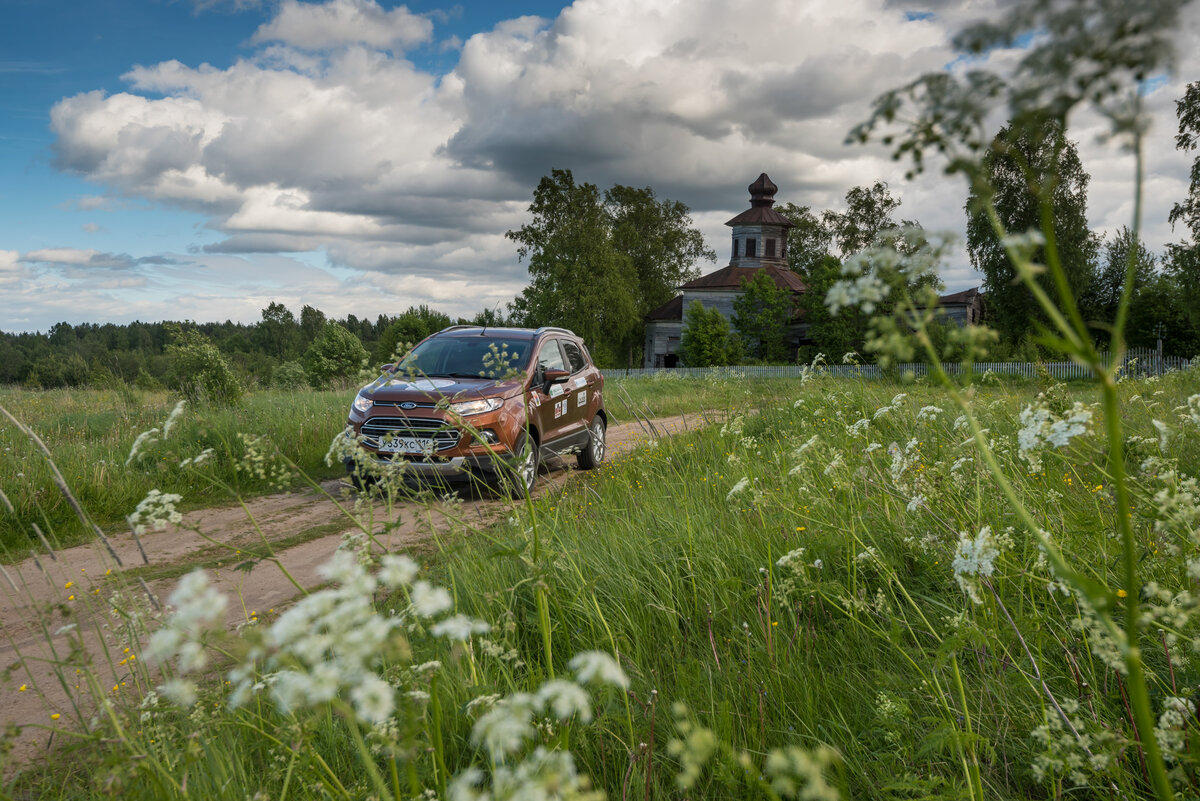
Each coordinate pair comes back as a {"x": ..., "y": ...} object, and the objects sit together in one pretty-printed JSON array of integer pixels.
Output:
[
  {"x": 547, "y": 410},
  {"x": 580, "y": 387}
]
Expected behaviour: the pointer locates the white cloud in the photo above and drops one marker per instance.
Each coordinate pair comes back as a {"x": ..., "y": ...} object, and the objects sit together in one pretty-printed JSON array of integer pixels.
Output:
[
  {"x": 326, "y": 139},
  {"x": 314, "y": 26},
  {"x": 75, "y": 257}
]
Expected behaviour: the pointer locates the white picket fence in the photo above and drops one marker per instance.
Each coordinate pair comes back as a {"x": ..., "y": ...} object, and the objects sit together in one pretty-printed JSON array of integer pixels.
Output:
[{"x": 1136, "y": 362}]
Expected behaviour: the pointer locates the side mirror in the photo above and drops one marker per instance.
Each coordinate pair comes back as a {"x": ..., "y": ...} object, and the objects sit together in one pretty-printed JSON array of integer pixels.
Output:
[
  {"x": 552, "y": 376},
  {"x": 390, "y": 367}
]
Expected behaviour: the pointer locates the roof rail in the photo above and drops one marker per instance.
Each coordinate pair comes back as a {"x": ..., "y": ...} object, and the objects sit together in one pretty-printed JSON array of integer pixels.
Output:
[
  {"x": 546, "y": 328},
  {"x": 456, "y": 327}
]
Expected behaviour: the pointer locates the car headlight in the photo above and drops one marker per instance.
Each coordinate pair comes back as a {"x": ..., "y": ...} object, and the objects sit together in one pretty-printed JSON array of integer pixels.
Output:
[
  {"x": 362, "y": 403},
  {"x": 468, "y": 408}
]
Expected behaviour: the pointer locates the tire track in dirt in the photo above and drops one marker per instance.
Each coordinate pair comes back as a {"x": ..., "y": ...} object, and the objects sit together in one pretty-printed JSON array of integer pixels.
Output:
[{"x": 45, "y": 594}]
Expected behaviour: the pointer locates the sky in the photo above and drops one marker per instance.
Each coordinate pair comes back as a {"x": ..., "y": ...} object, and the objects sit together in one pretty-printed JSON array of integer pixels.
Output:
[{"x": 200, "y": 159}]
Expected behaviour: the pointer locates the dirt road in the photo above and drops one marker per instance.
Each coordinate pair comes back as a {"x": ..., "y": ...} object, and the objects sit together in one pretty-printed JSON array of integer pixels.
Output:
[{"x": 46, "y": 593}]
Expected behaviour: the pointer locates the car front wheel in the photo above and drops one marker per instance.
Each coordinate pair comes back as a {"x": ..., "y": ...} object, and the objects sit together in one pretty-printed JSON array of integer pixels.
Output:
[
  {"x": 522, "y": 472},
  {"x": 591, "y": 456}
]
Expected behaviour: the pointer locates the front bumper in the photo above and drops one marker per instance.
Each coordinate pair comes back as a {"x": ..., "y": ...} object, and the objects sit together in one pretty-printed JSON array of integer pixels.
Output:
[{"x": 487, "y": 466}]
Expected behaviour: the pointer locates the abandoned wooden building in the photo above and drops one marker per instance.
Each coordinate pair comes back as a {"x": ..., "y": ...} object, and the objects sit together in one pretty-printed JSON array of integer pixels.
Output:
[{"x": 759, "y": 242}]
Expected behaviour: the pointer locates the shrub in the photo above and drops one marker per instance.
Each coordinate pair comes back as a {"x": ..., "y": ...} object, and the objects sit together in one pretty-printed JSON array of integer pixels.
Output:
[
  {"x": 335, "y": 355},
  {"x": 289, "y": 375},
  {"x": 706, "y": 340},
  {"x": 199, "y": 371}
]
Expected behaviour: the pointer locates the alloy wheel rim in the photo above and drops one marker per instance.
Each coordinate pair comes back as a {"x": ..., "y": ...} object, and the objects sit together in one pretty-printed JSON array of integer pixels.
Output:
[
  {"x": 598, "y": 440},
  {"x": 529, "y": 468}
]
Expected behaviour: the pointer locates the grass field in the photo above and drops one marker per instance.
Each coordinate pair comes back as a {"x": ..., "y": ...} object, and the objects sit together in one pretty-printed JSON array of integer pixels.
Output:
[
  {"x": 91, "y": 434},
  {"x": 798, "y": 600}
]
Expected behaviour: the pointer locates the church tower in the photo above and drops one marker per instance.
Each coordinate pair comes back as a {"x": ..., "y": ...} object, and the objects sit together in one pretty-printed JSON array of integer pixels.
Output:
[{"x": 760, "y": 232}]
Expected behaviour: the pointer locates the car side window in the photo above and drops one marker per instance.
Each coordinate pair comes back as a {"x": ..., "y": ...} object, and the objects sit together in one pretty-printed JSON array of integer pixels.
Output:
[
  {"x": 550, "y": 356},
  {"x": 573, "y": 356}
]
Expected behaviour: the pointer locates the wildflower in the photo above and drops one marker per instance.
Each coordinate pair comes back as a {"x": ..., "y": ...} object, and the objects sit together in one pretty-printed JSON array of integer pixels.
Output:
[
  {"x": 1040, "y": 426},
  {"x": 428, "y": 600},
  {"x": 373, "y": 699},
  {"x": 929, "y": 413},
  {"x": 199, "y": 608},
  {"x": 459, "y": 627},
  {"x": 976, "y": 557},
  {"x": 1122, "y": 594},
  {"x": 504, "y": 728},
  {"x": 55, "y": 716},
  {"x": 155, "y": 510},
  {"x": 738, "y": 488},
  {"x": 566, "y": 698},
  {"x": 181, "y": 691},
  {"x": 598, "y": 667},
  {"x": 916, "y": 502},
  {"x": 1164, "y": 434},
  {"x": 797, "y": 773},
  {"x": 397, "y": 570}
]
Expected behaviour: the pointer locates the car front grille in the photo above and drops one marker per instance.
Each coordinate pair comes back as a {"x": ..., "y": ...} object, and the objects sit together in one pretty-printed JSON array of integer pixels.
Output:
[{"x": 444, "y": 436}]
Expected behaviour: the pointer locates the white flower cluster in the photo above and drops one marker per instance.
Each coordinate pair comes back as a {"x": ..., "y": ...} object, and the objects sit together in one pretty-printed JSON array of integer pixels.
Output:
[
  {"x": 261, "y": 461},
  {"x": 1176, "y": 715},
  {"x": 903, "y": 459},
  {"x": 976, "y": 558},
  {"x": 1040, "y": 427},
  {"x": 199, "y": 608},
  {"x": 155, "y": 511},
  {"x": 330, "y": 643},
  {"x": 896, "y": 403},
  {"x": 508, "y": 725},
  {"x": 930, "y": 413},
  {"x": 858, "y": 428},
  {"x": 1191, "y": 412}
]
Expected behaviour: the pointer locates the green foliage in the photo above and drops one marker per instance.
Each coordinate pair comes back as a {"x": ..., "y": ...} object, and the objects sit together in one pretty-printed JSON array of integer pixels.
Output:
[
  {"x": 409, "y": 329},
  {"x": 706, "y": 340},
  {"x": 761, "y": 316},
  {"x": 658, "y": 237},
  {"x": 808, "y": 240},
  {"x": 1187, "y": 109},
  {"x": 278, "y": 334},
  {"x": 290, "y": 375},
  {"x": 598, "y": 265},
  {"x": 334, "y": 356},
  {"x": 199, "y": 371},
  {"x": 868, "y": 213},
  {"x": 1031, "y": 174},
  {"x": 831, "y": 334},
  {"x": 1099, "y": 303}
]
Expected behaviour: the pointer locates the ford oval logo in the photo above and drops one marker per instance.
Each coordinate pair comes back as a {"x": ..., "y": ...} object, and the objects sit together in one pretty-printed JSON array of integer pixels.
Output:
[{"x": 408, "y": 405}]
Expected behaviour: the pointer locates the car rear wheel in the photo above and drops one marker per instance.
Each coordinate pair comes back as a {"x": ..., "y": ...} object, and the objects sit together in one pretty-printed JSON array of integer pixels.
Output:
[
  {"x": 593, "y": 454},
  {"x": 522, "y": 472}
]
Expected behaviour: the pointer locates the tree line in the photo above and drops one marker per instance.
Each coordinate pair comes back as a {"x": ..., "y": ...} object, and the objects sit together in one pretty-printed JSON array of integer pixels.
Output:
[{"x": 281, "y": 349}]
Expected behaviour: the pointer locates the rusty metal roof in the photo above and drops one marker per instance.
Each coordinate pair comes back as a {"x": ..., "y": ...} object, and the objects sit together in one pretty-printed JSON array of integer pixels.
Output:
[
  {"x": 671, "y": 310},
  {"x": 955, "y": 298},
  {"x": 762, "y": 198},
  {"x": 732, "y": 277}
]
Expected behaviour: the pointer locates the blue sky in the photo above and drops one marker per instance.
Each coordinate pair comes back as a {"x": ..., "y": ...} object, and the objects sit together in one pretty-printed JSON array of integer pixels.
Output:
[{"x": 198, "y": 159}]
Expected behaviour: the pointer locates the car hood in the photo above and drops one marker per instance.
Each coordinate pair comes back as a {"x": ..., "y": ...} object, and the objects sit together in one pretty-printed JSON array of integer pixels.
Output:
[{"x": 399, "y": 388}]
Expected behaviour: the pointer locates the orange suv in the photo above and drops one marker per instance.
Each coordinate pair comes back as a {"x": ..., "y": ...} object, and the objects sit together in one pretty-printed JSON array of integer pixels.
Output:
[{"x": 471, "y": 401}]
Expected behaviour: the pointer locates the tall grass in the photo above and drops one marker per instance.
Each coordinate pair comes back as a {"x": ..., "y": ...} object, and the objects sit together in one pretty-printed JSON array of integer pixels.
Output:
[
  {"x": 762, "y": 590},
  {"x": 91, "y": 433}
]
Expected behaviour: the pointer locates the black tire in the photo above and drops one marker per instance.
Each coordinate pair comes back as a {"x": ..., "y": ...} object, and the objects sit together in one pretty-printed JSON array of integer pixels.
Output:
[
  {"x": 521, "y": 475},
  {"x": 593, "y": 454}
]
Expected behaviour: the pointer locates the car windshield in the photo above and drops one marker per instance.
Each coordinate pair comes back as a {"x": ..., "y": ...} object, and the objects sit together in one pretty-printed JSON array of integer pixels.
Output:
[{"x": 466, "y": 357}]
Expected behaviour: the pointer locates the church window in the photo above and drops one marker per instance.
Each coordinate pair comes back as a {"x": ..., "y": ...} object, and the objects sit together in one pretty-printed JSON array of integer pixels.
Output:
[
  {"x": 735, "y": 248},
  {"x": 770, "y": 251},
  {"x": 751, "y": 247}
]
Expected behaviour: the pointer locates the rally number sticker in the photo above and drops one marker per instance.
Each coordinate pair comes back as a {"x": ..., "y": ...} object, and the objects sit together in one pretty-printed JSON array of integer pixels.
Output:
[{"x": 581, "y": 399}]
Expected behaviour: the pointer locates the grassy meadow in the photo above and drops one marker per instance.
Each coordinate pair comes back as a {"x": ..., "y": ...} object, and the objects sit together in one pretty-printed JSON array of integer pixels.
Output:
[
  {"x": 790, "y": 603},
  {"x": 91, "y": 434}
]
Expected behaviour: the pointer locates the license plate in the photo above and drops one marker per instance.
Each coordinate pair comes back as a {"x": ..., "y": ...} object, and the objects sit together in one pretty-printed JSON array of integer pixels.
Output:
[{"x": 406, "y": 445}]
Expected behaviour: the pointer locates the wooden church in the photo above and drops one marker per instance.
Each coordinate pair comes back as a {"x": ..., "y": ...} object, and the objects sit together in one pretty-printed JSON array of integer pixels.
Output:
[{"x": 759, "y": 243}]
